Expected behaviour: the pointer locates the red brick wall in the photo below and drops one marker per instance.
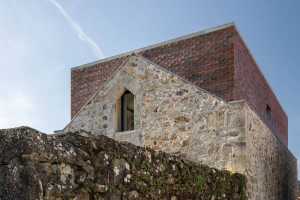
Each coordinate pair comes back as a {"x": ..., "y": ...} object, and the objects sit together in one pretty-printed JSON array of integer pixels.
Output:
[
  {"x": 206, "y": 60},
  {"x": 86, "y": 81},
  {"x": 218, "y": 62},
  {"x": 251, "y": 85}
]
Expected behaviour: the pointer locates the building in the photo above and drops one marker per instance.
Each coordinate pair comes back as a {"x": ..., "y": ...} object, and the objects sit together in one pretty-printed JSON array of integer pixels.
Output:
[{"x": 200, "y": 96}]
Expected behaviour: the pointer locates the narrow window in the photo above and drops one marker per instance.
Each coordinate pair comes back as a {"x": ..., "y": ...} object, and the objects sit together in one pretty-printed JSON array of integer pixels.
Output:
[
  {"x": 126, "y": 114},
  {"x": 268, "y": 112}
]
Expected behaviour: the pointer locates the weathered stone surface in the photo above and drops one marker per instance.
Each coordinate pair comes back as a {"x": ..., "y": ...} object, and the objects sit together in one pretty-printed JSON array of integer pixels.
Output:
[
  {"x": 171, "y": 115},
  {"x": 270, "y": 167},
  {"x": 82, "y": 166},
  {"x": 175, "y": 116},
  {"x": 218, "y": 61},
  {"x": 298, "y": 193}
]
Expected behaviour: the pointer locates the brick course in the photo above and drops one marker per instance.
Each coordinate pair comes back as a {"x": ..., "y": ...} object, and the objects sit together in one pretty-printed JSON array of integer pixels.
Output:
[{"x": 217, "y": 61}]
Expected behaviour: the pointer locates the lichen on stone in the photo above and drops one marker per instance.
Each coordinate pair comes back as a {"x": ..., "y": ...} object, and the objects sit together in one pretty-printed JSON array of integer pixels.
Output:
[{"x": 36, "y": 166}]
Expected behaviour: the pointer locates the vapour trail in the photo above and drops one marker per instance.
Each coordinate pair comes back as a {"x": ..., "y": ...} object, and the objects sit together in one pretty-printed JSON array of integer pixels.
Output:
[{"x": 81, "y": 34}]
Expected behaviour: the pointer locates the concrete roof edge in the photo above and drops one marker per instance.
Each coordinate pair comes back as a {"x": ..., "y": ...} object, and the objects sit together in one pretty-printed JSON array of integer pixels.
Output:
[{"x": 188, "y": 36}]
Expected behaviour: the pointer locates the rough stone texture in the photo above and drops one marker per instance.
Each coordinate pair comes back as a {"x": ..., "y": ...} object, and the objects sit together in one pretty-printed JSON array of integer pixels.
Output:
[
  {"x": 84, "y": 83},
  {"x": 270, "y": 167},
  {"x": 298, "y": 195},
  {"x": 170, "y": 115},
  {"x": 218, "y": 62},
  {"x": 81, "y": 166},
  {"x": 175, "y": 116}
]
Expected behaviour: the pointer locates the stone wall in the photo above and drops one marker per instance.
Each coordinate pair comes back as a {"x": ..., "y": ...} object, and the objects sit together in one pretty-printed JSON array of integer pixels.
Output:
[
  {"x": 270, "y": 168},
  {"x": 298, "y": 194},
  {"x": 177, "y": 117},
  {"x": 81, "y": 166},
  {"x": 203, "y": 59},
  {"x": 171, "y": 115},
  {"x": 216, "y": 60}
]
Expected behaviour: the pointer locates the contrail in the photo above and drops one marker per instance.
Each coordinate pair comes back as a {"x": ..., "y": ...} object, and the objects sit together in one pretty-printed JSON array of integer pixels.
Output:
[{"x": 81, "y": 34}]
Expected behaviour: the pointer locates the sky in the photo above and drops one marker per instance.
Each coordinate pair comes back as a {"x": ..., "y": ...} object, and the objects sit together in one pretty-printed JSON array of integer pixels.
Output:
[{"x": 41, "y": 40}]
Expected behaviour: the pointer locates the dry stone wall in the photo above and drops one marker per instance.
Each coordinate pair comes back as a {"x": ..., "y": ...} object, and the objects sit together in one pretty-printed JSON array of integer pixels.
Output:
[{"x": 81, "y": 166}]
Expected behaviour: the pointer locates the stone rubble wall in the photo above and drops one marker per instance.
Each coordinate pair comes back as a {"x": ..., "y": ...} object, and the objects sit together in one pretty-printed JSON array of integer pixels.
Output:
[
  {"x": 171, "y": 115},
  {"x": 174, "y": 116},
  {"x": 216, "y": 60},
  {"x": 271, "y": 168},
  {"x": 298, "y": 191},
  {"x": 82, "y": 166}
]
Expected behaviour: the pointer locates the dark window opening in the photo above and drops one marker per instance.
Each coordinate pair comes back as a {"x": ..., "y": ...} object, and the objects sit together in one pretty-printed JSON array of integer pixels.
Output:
[
  {"x": 126, "y": 112},
  {"x": 268, "y": 112}
]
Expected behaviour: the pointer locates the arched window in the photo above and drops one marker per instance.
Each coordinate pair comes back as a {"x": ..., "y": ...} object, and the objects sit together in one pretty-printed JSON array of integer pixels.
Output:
[{"x": 126, "y": 112}]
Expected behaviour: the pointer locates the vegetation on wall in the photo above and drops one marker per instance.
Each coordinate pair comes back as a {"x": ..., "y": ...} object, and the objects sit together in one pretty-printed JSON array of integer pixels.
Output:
[{"x": 83, "y": 166}]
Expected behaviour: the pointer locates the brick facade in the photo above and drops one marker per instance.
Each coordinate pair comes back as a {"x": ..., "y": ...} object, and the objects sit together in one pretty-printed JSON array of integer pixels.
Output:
[
  {"x": 85, "y": 82},
  {"x": 217, "y": 61},
  {"x": 251, "y": 85}
]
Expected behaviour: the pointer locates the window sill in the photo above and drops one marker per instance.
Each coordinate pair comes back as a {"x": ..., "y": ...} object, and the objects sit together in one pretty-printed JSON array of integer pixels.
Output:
[{"x": 123, "y": 132}]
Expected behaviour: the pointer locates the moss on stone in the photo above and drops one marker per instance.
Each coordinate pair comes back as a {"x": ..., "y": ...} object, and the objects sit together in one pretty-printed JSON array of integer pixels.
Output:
[{"x": 82, "y": 166}]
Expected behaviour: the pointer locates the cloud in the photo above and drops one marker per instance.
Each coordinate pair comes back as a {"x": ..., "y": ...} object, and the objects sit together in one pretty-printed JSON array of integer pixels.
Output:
[{"x": 81, "y": 34}]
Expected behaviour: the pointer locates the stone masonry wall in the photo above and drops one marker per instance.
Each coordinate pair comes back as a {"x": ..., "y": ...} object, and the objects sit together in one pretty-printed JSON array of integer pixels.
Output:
[
  {"x": 271, "y": 169},
  {"x": 81, "y": 166},
  {"x": 175, "y": 116},
  {"x": 171, "y": 115},
  {"x": 217, "y": 61},
  {"x": 203, "y": 60}
]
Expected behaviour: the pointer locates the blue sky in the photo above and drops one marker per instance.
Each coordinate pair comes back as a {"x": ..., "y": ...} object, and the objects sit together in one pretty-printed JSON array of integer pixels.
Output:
[{"x": 40, "y": 40}]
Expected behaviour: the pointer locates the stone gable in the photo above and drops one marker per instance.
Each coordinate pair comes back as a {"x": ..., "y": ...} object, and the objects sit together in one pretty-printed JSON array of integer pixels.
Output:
[
  {"x": 216, "y": 60},
  {"x": 171, "y": 114},
  {"x": 175, "y": 116}
]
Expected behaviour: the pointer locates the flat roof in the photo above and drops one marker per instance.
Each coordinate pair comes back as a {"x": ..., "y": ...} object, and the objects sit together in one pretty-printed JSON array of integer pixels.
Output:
[{"x": 195, "y": 34}]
